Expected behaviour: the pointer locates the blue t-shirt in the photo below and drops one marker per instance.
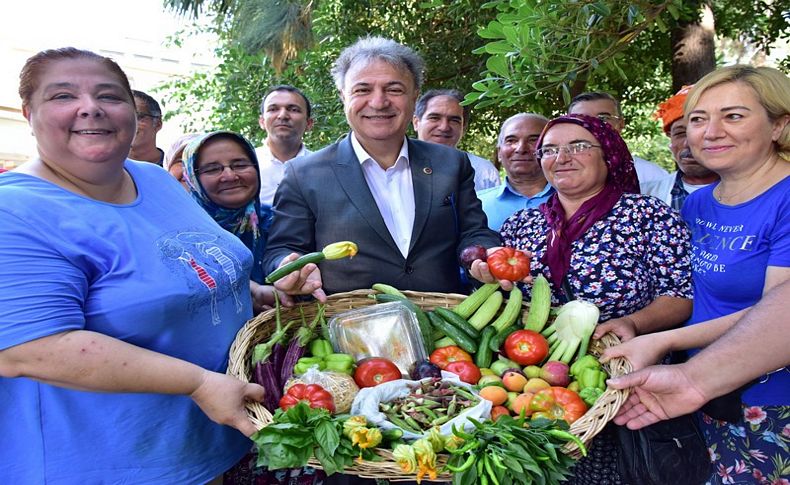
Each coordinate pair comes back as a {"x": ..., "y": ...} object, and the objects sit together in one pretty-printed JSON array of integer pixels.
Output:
[
  {"x": 503, "y": 201},
  {"x": 732, "y": 246},
  {"x": 158, "y": 273}
]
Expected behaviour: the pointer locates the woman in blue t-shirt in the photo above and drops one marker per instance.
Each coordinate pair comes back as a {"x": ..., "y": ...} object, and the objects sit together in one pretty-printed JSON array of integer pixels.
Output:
[
  {"x": 739, "y": 127},
  {"x": 119, "y": 299}
]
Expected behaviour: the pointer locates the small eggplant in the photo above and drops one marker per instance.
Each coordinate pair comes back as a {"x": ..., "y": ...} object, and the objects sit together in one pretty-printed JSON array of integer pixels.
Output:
[{"x": 424, "y": 369}]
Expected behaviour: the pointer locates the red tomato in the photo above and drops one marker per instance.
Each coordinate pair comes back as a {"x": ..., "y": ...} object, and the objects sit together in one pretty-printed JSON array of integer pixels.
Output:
[
  {"x": 466, "y": 371},
  {"x": 508, "y": 264},
  {"x": 443, "y": 356},
  {"x": 557, "y": 403},
  {"x": 374, "y": 371},
  {"x": 526, "y": 347},
  {"x": 315, "y": 395}
]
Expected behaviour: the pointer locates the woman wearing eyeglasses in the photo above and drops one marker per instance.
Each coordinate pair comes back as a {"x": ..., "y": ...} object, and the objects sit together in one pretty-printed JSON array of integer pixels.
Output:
[
  {"x": 221, "y": 171},
  {"x": 597, "y": 239}
]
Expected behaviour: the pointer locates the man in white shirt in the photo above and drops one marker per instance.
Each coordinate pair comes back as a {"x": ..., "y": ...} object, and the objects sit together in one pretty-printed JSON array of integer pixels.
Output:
[
  {"x": 691, "y": 176},
  {"x": 606, "y": 108},
  {"x": 440, "y": 118},
  {"x": 285, "y": 116}
]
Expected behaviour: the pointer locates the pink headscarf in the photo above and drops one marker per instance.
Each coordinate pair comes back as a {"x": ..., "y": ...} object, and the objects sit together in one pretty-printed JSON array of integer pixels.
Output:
[{"x": 621, "y": 179}]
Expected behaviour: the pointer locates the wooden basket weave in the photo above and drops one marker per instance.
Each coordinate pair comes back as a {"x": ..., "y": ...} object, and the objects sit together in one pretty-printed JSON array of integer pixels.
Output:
[{"x": 261, "y": 327}]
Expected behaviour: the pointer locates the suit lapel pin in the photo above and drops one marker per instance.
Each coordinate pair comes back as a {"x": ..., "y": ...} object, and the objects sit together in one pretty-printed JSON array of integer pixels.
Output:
[{"x": 427, "y": 171}]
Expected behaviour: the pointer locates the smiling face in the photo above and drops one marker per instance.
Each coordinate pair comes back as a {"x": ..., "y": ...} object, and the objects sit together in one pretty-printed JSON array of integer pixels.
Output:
[
  {"x": 517, "y": 151},
  {"x": 681, "y": 152},
  {"x": 230, "y": 189},
  {"x": 284, "y": 117},
  {"x": 378, "y": 100},
  {"x": 442, "y": 122},
  {"x": 580, "y": 175},
  {"x": 730, "y": 131},
  {"x": 80, "y": 114}
]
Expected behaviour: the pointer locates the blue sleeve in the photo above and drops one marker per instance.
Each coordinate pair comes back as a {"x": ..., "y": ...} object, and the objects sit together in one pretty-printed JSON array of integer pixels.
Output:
[
  {"x": 779, "y": 240},
  {"x": 41, "y": 291}
]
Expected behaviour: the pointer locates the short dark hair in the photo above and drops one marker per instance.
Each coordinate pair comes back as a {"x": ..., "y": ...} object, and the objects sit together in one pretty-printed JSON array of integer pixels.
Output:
[
  {"x": 595, "y": 96},
  {"x": 290, "y": 89},
  {"x": 150, "y": 103},
  {"x": 422, "y": 102}
]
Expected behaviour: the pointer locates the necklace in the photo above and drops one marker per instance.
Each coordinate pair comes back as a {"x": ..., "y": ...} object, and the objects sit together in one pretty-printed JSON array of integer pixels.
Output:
[{"x": 720, "y": 197}]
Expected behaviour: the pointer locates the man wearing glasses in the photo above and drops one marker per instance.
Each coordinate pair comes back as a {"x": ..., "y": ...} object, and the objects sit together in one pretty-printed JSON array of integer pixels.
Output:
[
  {"x": 149, "y": 122},
  {"x": 606, "y": 108}
]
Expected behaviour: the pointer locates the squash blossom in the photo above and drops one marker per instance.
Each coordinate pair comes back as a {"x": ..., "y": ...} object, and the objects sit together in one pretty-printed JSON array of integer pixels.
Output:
[
  {"x": 339, "y": 250},
  {"x": 352, "y": 424},
  {"x": 436, "y": 439},
  {"x": 426, "y": 459},
  {"x": 405, "y": 458},
  {"x": 366, "y": 437},
  {"x": 453, "y": 443}
]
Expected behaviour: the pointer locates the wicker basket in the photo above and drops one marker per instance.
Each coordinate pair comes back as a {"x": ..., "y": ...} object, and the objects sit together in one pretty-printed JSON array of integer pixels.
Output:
[{"x": 260, "y": 328}]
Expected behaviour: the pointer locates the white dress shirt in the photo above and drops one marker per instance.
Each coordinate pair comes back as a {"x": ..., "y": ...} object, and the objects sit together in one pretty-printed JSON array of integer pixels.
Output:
[
  {"x": 393, "y": 192},
  {"x": 272, "y": 171},
  {"x": 486, "y": 174}
]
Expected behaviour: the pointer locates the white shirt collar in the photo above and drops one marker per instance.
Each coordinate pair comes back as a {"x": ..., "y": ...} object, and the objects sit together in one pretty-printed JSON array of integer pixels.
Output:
[{"x": 364, "y": 156}]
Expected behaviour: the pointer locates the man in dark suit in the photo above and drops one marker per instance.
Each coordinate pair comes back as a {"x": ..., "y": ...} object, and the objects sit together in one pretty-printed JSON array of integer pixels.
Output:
[{"x": 409, "y": 205}]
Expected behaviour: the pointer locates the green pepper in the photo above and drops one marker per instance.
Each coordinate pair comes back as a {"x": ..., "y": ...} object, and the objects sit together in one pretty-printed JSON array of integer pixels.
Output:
[
  {"x": 590, "y": 395},
  {"x": 339, "y": 363},
  {"x": 592, "y": 378},
  {"x": 303, "y": 364},
  {"x": 586, "y": 362},
  {"x": 320, "y": 348}
]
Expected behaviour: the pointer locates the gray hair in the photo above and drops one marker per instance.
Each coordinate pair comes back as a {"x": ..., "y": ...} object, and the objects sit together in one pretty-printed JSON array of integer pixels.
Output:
[
  {"x": 518, "y": 116},
  {"x": 596, "y": 96},
  {"x": 371, "y": 48}
]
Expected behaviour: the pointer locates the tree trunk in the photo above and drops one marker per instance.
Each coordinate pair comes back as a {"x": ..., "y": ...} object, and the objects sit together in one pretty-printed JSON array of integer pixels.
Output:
[{"x": 693, "y": 49}]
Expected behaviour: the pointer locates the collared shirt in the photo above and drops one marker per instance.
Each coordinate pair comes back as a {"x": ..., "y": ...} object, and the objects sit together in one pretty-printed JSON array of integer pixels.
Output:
[
  {"x": 501, "y": 202},
  {"x": 486, "y": 174},
  {"x": 393, "y": 192},
  {"x": 671, "y": 189},
  {"x": 272, "y": 171}
]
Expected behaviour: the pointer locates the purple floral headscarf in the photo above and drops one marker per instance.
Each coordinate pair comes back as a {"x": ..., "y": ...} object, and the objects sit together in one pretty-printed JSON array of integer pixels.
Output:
[{"x": 620, "y": 179}]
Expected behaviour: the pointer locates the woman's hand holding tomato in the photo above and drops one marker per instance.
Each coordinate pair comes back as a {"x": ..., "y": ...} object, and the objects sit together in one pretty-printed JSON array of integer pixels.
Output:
[
  {"x": 526, "y": 347},
  {"x": 484, "y": 270}
]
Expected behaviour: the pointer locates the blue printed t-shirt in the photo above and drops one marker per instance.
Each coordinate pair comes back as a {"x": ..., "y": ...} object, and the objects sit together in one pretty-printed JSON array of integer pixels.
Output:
[
  {"x": 503, "y": 201},
  {"x": 732, "y": 246},
  {"x": 158, "y": 273}
]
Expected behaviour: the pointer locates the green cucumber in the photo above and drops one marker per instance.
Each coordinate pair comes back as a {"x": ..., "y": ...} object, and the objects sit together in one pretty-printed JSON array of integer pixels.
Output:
[
  {"x": 458, "y": 322},
  {"x": 472, "y": 302},
  {"x": 540, "y": 305},
  {"x": 487, "y": 311},
  {"x": 295, "y": 265},
  {"x": 484, "y": 354},
  {"x": 387, "y": 290},
  {"x": 496, "y": 343},
  {"x": 455, "y": 334}
]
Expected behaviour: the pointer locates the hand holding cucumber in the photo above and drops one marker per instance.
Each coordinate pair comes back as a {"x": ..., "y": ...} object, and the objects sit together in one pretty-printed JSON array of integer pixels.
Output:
[
  {"x": 304, "y": 281},
  {"x": 480, "y": 270}
]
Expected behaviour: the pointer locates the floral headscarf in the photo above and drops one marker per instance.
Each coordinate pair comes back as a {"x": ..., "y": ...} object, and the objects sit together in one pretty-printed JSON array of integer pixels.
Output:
[
  {"x": 250, "y": 223},
  {"x": 620, "y": 179}
]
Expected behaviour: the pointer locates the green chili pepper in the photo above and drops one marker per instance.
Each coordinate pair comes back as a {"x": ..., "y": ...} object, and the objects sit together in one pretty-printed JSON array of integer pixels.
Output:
[
  {"x": 320, "y": 348},
  {"x": 470, "y": 460}
]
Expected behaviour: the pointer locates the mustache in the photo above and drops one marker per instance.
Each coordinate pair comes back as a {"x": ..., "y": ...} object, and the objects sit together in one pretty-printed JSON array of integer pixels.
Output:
[{"x": 685, "y": 153}]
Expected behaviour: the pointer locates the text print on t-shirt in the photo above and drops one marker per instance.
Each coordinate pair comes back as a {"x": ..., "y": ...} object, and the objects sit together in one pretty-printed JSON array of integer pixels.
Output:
[{"x": 710, "y": 240}]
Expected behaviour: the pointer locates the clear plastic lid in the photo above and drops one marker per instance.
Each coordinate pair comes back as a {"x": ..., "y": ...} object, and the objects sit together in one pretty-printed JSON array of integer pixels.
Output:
[{"x": 388, "y": 330}]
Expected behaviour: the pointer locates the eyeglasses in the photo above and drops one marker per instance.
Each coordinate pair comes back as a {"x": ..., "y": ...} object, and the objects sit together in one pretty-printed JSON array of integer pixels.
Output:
[
  {"x": 609, "y": 118},
  {"x": 216, "y": 169},
  {"x": 142, "y": 116},
  {"x": 552, "y": 152}
]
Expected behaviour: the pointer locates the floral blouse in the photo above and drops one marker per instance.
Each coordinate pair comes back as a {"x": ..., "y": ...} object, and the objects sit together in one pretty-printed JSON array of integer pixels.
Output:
[{"x": 636, "y": 253}]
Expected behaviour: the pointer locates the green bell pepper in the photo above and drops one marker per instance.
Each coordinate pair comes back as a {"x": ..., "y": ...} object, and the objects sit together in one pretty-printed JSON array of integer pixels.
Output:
[
  {"x": 303, "y": 364},
  {"x": 320, "y": 348}
]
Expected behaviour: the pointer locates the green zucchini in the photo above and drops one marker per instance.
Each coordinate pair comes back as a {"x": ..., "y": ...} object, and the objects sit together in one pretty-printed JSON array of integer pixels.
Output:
[
  {"x": 455, "y": 334},
  {"x": 487, "y": 311},
  {"x": 444, "y": 342},
  {"x": 472, "y": 302},
  {"x": 295, "y": 265},
  {"x": 540, "y": 305},
  {"x": 458, "y": 322},
  {"x": 388, "y": 290},
  {"x": 512, "y": 310},
  {"x": 484, "y": 354}
]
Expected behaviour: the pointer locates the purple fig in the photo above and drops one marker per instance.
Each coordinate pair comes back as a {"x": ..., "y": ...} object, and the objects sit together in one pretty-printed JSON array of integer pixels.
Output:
[{"x": 471, "y": 253}]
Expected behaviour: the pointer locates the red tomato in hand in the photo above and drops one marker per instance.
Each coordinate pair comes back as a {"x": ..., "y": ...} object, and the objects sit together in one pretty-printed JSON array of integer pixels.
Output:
[
  {"x": 526, "y": 347},
  {"x": 443, "y": 356},
  {"x": 466, "y": 371},
  {"x": 374, "y": 371},
  {"x": 508, "y": 264}
]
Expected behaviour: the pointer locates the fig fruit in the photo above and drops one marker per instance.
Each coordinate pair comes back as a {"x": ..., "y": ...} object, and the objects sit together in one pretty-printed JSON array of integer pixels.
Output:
[{"x": 471, "y": 253}]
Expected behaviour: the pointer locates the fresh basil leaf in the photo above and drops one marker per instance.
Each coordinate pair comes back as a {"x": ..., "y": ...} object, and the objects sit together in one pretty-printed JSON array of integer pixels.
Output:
[
  {"x": 327, "y": 461},
  {"x": 327, "y": 437}
]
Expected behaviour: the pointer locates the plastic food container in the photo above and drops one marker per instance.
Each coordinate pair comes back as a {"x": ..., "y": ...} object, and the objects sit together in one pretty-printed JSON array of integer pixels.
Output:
[{"x": 388, "y": 330}]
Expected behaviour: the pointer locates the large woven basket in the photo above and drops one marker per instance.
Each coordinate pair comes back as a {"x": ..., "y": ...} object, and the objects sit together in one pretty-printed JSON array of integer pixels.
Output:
[{"x": 261, "y": 327}]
